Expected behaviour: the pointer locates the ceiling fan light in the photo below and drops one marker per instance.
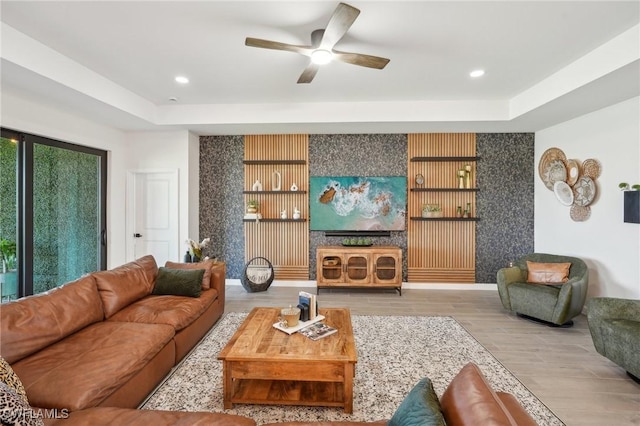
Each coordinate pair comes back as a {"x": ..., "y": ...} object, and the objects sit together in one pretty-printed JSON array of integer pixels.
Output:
[{"x": 321, "y": 57}]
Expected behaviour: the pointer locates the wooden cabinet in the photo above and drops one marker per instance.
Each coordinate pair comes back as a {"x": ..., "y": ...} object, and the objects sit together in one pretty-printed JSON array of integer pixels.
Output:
[{"x": 342, "y": 266}]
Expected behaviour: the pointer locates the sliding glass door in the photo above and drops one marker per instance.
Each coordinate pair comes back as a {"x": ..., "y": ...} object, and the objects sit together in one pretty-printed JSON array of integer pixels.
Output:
[
  {"x": 61, "y": 212},
  {"x": 8, "y": 216}
]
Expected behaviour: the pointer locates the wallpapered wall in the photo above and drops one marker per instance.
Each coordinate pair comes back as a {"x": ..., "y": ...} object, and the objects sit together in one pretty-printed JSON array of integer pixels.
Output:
[{"x": 505, "y": 177}]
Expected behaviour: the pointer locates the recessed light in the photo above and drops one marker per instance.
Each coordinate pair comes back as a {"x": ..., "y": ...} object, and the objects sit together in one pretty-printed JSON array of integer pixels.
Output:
[
  {"x": 476, "y": 73},
  {"x": 173, "y": 99},
  {"x": 182, "y": 79}
]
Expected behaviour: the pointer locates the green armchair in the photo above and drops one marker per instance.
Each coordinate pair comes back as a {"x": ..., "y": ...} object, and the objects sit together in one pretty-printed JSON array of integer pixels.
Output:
[
  {"x": 615, "y": 330},
  {"x": 555, "y": 304}
]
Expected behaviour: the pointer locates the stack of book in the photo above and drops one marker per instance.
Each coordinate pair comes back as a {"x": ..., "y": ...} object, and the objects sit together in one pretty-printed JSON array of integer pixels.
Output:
[{"x": 308, "y": 305}]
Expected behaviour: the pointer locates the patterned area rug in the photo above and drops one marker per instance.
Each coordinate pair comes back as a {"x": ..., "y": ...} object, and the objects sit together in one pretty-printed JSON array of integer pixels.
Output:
[{"x": 394, "y": 353}]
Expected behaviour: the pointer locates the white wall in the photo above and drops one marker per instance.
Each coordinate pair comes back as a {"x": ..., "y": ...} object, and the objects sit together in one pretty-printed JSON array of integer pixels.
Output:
[
  {"x": 170, "y": 150},
  {"x": 610, "y": 247},
  {"x": 24, "y": 115}
]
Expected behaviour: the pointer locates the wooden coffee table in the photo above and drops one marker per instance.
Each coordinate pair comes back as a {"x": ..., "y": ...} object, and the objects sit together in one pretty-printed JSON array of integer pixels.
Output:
[{"x": 262, "y": 365}]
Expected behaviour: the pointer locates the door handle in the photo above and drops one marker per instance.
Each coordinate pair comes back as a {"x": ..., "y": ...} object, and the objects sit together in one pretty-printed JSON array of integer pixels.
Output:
[{"x": 136, "y": 235}]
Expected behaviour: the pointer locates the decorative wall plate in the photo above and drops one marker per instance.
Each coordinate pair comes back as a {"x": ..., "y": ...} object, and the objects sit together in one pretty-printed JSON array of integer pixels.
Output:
[
  {"x": 591, "y": 168},
  {"x": 584, "y": 191},
  {"x": 547, "y": 157},
  {"x": 419, "y": 179},
  {"x": 555, "y": 172},
  {"x": 573, "y": 171},
  {"x": 563, "y": 192},
  {"x": 580, "y": 213}
]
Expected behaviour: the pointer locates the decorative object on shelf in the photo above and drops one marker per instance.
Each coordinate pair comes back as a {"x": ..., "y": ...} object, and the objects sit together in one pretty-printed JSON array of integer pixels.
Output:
[
  {"x": 257, "y": 186},
  {"x": 253, "y": 206},
  {"x": 276, "y": 181},
  {"x": 294, "y": 187},
  {"x": 563, "y": 192},
  {"x": 257, "y": 275},
  {"x": 461, "y": 174},
  {"x": 296, "y": 213},
  {"x": 283, "y": 214},
  {"x": 467, "y": 175},
  {"x": 187, "y": 257},
  {"x": 419, "y": 179},
  {"x": 195, "y": 248},
  {"x": 573, "y": 184},
  {"x": 431, "y": 210},
  {"x": 468, "y": 210},
  {"x": 353, "y": 242},
  {"x": 459, "y": 211}
]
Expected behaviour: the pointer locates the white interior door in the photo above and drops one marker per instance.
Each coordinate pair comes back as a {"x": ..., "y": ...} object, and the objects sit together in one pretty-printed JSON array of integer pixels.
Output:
[{"x": 152, "y": 215}]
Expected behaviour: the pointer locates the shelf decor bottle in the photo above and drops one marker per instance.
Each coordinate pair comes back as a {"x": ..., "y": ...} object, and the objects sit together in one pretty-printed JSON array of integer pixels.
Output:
[
  {"x": 461, "y": 174},
  {"x": 469, "y": 209},
  {"x": 276, "y": 181},
  {"x": 467, "y": 170},
  {"x": 459, "y": 211}
]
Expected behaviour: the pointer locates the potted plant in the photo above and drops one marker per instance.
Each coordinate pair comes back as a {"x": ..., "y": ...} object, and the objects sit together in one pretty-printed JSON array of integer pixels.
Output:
[
  {"x": 431, "y": 210},
  {"x": 253, "y": 206},
  {"x": 8, "y": 273},
  {"x": 8, "y": 253}
]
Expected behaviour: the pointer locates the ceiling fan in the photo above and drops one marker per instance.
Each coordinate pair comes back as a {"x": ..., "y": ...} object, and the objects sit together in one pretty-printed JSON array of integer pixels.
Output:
[{"x": 321, "y": 50}]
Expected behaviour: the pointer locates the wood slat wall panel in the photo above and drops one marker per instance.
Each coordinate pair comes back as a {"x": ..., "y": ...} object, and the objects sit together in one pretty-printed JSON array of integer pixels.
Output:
[
  {"x": 285, "y": 244},
  {"x": 441, "y": 251}
]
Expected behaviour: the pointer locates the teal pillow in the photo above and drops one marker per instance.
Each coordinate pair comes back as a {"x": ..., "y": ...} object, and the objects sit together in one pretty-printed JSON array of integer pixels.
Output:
[
  {"x": 420, "y": 408},
  {"x": 179, "y": 282}
]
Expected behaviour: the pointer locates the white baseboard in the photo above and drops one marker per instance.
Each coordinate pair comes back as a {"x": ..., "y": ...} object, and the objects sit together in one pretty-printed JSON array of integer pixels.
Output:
[{"x": 412, "y": 286}]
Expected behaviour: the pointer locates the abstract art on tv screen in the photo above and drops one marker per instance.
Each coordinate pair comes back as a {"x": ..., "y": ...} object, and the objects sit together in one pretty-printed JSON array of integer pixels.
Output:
[{"x": 356, "y": 203}]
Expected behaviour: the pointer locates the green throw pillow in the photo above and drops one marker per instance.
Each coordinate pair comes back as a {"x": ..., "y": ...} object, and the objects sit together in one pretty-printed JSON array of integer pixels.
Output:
[
  {"x": 179, "y": 282},
  {"x": 420, "y": 408}
]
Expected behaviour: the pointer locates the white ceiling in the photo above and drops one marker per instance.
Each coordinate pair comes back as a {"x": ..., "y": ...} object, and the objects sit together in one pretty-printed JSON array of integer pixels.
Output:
[{"x": 115, "y": 63}]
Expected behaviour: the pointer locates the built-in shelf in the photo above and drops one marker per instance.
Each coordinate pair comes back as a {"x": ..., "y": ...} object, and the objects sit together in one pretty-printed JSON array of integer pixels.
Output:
[
  {"x": 444, "y": 219},
  {"x": 274, "y": 192},
  {"x": 424, "y": 159},
  {"x": 274, "y": 162},
  {"x": 445, "y": 189},
  {"x": 275, "y": 220}
]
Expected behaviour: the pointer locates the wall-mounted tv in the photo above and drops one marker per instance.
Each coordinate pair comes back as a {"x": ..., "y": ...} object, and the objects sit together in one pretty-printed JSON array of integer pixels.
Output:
[{"x": 352, "y": 203}]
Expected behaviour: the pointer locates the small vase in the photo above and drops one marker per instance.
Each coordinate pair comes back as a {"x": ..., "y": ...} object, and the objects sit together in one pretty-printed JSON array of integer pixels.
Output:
[
  {"x": 187, "y": 257},
  {"x": 195, "y": 259}
]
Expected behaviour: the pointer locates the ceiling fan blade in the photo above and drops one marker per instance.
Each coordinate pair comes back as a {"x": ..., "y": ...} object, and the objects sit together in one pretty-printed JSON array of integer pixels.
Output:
[
  {"x": 308, "y": 73},
  {"x": 339, "y": 23},
  {"x": 361, "y": 59},
  {"x": 275, "y": 45}
]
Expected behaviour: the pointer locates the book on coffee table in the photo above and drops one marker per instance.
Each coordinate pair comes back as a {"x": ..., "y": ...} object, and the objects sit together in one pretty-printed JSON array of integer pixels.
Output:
[{"x": 317, "y": 331}]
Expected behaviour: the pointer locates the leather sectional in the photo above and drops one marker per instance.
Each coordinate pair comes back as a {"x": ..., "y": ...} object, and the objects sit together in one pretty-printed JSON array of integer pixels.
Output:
[{"x": 105, "y": 341}]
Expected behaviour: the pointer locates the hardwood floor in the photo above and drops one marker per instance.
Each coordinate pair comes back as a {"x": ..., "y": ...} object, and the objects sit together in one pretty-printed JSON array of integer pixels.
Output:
[{"x": 559, "y": 365}]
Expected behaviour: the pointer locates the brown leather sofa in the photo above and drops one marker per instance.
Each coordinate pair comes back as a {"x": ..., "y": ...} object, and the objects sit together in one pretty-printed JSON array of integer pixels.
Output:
[
  {"x": 104, "y": 340},
  {"x": 469, "y": 400}
]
